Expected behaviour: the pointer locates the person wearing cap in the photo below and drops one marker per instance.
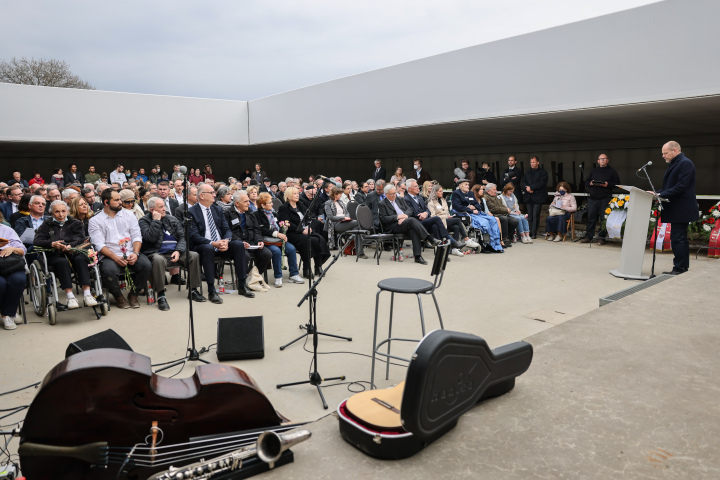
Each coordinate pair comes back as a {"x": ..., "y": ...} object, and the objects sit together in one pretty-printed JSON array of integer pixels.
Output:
[
  {"x": 265, "y": 187},
  {"x": 127, "y": 197}
]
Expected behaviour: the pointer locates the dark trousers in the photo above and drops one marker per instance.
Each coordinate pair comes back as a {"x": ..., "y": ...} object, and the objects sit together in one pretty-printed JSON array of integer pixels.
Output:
[
  {"x": 417, "y": 232},
  {"x": 235, "y": 251},
  {"x": 508, "y": 225},
  {"x": 435, "y": 226},
  {"x": 11, "y": 290},
  {"x": 680, "y": 246},
  {"x": 110, "y": 272},
  {"x": 159, "y": 267},
  {"x": 596, "y": 211},
  {"x": 456, "y": 226},
  {"x": 261, "y": 257},
  {"x": 63, "y": 271},
  {"x": 533, "y": 211}
]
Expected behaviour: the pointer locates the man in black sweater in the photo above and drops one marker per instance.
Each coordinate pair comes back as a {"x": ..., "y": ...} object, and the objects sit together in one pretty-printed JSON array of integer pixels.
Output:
[
  {"x": 600, "y": 183},
  {"x": 534, "y": 187},
  {"x": 511, "y": 175}
]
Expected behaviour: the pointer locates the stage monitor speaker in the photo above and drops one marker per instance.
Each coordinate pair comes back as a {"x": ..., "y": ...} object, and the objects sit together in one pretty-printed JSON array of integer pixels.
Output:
[
  {"x": 240, "y": 338},
  {"x": 106, "y": 339}
]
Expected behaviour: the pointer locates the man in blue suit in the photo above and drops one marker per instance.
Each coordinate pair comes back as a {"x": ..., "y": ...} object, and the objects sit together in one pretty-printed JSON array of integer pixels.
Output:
[
  {"x": 210, "y": 236},
  {"x": 682, "y": 208},
  {"x": 14, "y": 194}
]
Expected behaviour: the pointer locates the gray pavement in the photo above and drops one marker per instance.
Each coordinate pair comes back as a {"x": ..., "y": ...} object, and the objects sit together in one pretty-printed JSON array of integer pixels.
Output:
[{"x": 628, "y": 390}]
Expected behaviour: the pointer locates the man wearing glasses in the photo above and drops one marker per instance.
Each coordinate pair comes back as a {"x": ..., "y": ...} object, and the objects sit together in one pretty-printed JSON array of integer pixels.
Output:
[
  {"x": 14, "y": 194},
  {"x": 210, "y": 236}
]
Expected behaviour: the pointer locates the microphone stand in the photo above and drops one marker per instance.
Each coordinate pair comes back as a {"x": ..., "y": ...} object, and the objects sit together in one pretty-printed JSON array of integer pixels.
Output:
[
  {"x": 315, "y": 378},
  {"x": 310, "y": 327},
  {"x": 192, "y": 354},
  {"x": 581, "y": 189},
  {"x": 658, "y": 200}
]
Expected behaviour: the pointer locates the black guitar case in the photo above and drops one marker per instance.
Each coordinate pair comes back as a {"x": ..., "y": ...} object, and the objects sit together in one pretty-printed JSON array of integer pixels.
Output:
[{"x": 449, "y": 373}]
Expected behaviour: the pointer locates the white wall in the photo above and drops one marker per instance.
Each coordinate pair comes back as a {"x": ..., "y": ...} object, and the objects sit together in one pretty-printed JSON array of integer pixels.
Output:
[
  {"x": 662, "y": 51},
  {"x": 30, "y": 113}
]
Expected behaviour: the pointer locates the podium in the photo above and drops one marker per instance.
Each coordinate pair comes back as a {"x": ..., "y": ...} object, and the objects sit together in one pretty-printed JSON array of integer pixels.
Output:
[{"x": 636, "y": 228}]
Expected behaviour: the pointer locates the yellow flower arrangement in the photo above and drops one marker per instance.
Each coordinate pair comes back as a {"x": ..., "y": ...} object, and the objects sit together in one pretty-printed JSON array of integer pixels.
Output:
[
  {"x": 627, "y": 198},
  {"x": 607, "y": 211},
  {"x": 620, "y": 203}
]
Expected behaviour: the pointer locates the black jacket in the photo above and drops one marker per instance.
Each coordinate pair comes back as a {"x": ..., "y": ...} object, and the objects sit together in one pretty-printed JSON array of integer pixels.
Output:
[
  {"x": 153, "y": 233},
  {"x": 379, "y": 174},
  {"x": 602, "y": 175},
  {"x": 537, "y": 180},
  {"x": 679, "y": 188},
  {"x": 71, "y": 233},
  {"x": 388, "y": 215},
  {"x": 69, "y": 179},
  {"x": 513, "y": 176},
  {"x": 198, "y": 226},
  {"x": 251, "y": 233},
  {"x": 263, "y": 223}
]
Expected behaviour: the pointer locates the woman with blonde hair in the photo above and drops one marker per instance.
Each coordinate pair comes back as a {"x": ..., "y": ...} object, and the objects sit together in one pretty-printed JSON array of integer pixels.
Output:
[
  {"x": 294, "y": 211},
  {"x": 438, "y": 207},
  {"x": 427, "y": 186},
  {"x": 252, "y": 192},
  {"x": 79, "y": 210}
]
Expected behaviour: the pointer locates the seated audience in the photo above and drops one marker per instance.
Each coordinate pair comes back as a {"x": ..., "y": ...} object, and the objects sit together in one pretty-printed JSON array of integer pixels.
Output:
[
  {"x": 498, "y": 209},
  {"x": 23, "y": 209},
  {"x": 223, "y": 198},
  {"x": 269, "y": 228},
  {"x": 61, "y": 233},
  {"x": 27, "y": 226},
  {"x": 438, "y": 207},
  {"x": 510, "y": 200},
  {"x": 337, "y": 219},
  {"x": 57, "y": 178},
  {"x": 109, "y": 230},
  {"x": 14, "y": 194},
  {"x": 560, "y": 210},
  {"x": 36, "y": 179},
  {"x": 245, "y": 228},
  {"x": 211, "y": 237},
  {"x": 128, "y": 202},
  {"x": 464, "y": 172},
  {"x": 361, "y": 194},
  {"x": 396, "y": 217},
  {"x": 164, "y": 241},
  {"x": 420, "y": 211},
  {"x": 301, "y": 236},
  {"x": 347, "y": 193},
  {"x": 465, "y": 202},
  {"x": 252, "y": 192},
  {"x": 79, "y": 210},
  {"x": 12, "y": 284},
  {"x": 398, "y": 176}
]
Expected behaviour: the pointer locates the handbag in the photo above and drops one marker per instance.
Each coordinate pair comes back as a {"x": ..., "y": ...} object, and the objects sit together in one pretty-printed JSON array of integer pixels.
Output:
[
  {"x": 554, "y": 211},
  {"x": 349, "y": 248},
  {"x": 11, "y": 264},
  {"x": 272, "y": 241},
  {"x": 255, "y": 281}
]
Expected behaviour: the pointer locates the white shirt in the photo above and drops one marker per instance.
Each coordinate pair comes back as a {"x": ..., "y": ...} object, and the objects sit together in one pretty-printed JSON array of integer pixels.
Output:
[
  {"x": 179, "y": 198},
  {"x": 106, "y": 231},
  {"x": 117, "y": 177},
  {"x": 209, "y": 218}
]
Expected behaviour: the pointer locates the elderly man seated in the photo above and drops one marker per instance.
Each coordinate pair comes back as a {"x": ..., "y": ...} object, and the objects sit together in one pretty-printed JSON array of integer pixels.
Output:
[
  {"x": 26, "y": 226},
  {"x": 164, "y": 241},
  {"x": 210, "y": 236},
  {"x": 420, "y": 211},
  {"x": 396, "y": 217},
  {"x": 246, "y": 228},
  {"x": 496, "y": 206}
]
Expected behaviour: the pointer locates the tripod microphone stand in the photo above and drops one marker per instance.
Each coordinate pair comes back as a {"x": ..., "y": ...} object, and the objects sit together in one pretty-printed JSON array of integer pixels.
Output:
[
  {"x": 192, "y": 353},
  {"x": 311, "y": 295},
  {"x": 310, "y": 327}
]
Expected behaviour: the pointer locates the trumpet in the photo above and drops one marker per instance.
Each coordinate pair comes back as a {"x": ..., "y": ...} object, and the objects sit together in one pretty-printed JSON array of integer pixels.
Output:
[{"x": 269, "y": 448}]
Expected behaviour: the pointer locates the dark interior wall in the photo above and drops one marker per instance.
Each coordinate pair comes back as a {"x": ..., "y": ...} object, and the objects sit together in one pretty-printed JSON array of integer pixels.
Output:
[{"x": 359, "y": 167}]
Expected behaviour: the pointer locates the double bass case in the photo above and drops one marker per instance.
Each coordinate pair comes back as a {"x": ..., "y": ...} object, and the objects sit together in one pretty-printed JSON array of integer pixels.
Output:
[{"x": 448, "y": 374}]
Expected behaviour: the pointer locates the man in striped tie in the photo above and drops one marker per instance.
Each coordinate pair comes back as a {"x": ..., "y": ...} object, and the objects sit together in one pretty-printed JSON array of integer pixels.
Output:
[{"x": 210, "y": 237}]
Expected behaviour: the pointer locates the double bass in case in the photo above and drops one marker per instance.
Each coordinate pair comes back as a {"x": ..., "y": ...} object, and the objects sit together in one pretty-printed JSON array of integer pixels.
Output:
[{"x": 448, "y": 374}]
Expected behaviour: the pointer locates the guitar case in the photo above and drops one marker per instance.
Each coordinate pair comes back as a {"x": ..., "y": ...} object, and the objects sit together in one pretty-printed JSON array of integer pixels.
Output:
[{"x": 449, "y": 373}]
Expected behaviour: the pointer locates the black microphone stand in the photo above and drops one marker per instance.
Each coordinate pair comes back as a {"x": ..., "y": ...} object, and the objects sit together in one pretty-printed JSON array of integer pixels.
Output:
[
  {"x": 310, "y": 327},
  {"x": 581, "y": 189},
  {"x": 192, "y": 353},
  {"x": 658, "y": 201},
  {"x": 311, "y": 294}
]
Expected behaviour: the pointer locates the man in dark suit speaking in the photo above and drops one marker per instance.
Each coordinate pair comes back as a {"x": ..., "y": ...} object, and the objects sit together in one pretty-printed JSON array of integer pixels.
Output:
[
  {"x": 682, "y": 208},
  {"x": 210, "y": 236},
  {"x": 397, "y": 217}
]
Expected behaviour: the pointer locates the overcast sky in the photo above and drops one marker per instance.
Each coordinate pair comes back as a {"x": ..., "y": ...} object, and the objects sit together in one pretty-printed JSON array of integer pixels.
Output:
[{"x": 247, "y": 49}]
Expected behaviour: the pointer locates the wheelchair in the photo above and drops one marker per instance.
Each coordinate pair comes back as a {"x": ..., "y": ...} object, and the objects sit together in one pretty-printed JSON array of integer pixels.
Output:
[{"x": 43, "y": 288}]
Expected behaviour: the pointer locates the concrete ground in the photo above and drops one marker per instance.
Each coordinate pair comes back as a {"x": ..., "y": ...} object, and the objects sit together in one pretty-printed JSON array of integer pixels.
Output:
[{"x": 628, "y": 390}]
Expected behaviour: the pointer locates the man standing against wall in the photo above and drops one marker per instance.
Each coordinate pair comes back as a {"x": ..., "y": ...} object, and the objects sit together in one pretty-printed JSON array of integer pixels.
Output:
[
  {"x": 379, "y": 173},
  {"x": 511, "y": 175},
  {"x": 534, "y": 186},
  {"x": 600, "y": 183},
  {"x": 682, "y": 208}
]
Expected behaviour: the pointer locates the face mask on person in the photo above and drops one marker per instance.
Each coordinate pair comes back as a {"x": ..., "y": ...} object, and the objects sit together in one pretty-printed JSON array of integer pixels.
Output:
[
  {"x": 561, "y": 192},
  {"x": 416, "y": 167},
  {"x": 58, "y": 222}
]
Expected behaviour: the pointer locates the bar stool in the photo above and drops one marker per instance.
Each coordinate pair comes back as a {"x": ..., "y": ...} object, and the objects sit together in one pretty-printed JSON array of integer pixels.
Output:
[{"x": 411, "y": 286}]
